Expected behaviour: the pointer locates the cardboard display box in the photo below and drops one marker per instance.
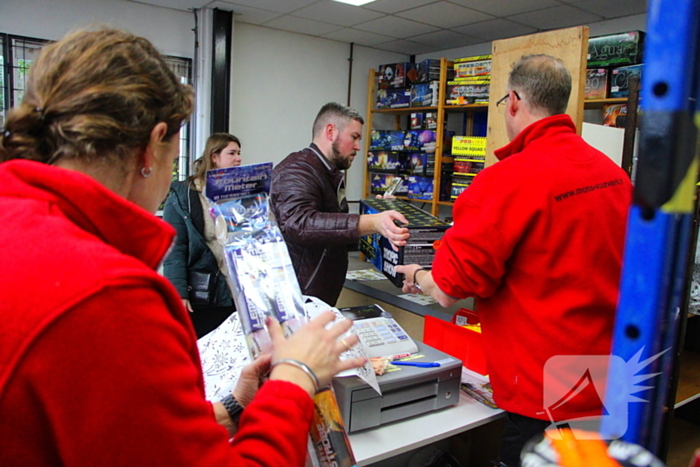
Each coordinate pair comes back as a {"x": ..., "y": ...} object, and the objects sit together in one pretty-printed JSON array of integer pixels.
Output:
[
  {"x": 616, "y": 49},
  {"x": 596, "y": 83},
  {"x": 620, "y": 79},
  {"x": 426, "y": 232}
]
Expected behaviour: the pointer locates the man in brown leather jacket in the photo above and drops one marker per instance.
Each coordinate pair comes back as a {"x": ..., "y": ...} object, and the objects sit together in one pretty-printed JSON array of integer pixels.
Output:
[{"x": 308, "y": 199}]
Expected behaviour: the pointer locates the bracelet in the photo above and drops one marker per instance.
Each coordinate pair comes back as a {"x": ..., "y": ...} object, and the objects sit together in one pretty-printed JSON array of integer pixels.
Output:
[
  {"x": 415, "y": 284},
  {"x": 302, "y": 366}
]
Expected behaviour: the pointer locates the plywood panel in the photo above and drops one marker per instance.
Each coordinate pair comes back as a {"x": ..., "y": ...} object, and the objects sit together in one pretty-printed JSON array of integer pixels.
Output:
[{"x": 570, "y": 45}]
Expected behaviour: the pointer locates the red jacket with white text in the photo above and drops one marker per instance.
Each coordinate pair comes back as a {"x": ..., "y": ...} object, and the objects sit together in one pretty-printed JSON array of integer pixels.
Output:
[
  {"x": 98, "y": 358},
  {"x": 538, "y": 240}
]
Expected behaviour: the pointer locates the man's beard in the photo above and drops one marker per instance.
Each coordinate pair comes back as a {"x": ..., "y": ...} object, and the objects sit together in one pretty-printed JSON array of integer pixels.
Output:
[{"x": 342, "y": 163}]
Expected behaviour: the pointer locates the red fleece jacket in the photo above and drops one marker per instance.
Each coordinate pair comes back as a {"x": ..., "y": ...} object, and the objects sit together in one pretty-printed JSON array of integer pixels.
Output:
[
  {"x": 98, "y": 359},
  {"x": 538, "y": 240}
]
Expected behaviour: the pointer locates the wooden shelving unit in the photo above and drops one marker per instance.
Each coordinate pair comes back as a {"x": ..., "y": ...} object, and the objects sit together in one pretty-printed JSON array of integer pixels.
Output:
[{"x": 441, "y": 109}]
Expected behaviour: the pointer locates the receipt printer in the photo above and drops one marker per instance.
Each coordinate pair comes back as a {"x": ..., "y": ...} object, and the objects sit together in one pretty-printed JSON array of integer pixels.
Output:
[{"x": 406, "y": 391}]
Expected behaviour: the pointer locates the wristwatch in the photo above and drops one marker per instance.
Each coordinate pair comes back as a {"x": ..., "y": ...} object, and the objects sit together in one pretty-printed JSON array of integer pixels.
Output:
[{"x": 233, "y": 408}]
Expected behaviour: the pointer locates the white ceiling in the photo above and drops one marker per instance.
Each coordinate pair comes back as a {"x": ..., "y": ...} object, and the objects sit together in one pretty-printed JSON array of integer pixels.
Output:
[{"x": 416, "y": 27}]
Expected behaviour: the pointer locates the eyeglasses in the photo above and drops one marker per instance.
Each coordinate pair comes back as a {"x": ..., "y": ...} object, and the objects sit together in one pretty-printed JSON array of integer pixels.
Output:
[{"x": 500, "y": 104}]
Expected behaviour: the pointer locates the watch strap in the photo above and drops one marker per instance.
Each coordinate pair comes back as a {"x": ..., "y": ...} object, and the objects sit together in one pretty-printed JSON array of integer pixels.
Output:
[{"x": 233, "y": 408}]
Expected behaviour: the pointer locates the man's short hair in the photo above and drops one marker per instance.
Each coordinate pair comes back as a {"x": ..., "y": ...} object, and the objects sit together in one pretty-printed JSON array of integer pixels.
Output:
[
  {"x": 337, "y": 114},
  {"x": 543, "y": 81}
]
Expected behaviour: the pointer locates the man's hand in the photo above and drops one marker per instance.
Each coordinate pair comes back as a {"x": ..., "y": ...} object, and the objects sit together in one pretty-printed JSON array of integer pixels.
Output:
[
  {"x": 385, "y": 224},
  {"x": 409, "y": 271}
]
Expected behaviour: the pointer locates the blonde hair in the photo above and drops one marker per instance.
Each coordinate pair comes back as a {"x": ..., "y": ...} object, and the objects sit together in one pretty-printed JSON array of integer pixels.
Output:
[
  {"x": 216, "y": 143},
  {"x": 95, "y": 96}
]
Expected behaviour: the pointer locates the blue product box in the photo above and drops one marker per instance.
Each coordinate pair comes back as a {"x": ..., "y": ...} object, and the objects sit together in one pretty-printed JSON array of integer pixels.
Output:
[
  {"x": 393, "y": 98},
  {"x": 386, "y": 140},
  {"x": 620, "y": 79},
  {"x": 379, "y": 182},
  {"x": 428, "y": 70},
  {"x": 420, "y": 187},
  {"x": 416, "y": 121},
  {"x": 421, "y": 163},
  {"x": 424, "y": 94},
  {"x": 397, "y": 75},
  {"x": 387, "y": 161},
  {"x": 419, "y": 140}
]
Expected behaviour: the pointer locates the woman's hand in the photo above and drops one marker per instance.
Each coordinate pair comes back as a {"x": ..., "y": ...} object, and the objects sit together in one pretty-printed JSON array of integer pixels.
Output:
[
  {"x": 188, "y": 306},
  {"x": 316, "y": 347},
  {"x": 250, "y": 379}
]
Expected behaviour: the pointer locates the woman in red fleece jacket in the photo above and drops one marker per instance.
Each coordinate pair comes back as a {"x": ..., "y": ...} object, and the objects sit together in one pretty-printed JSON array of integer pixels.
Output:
[{"x": 98, "y": 358}]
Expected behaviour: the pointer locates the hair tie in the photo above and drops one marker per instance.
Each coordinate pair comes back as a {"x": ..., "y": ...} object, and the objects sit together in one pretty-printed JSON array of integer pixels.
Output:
[{"x": 6, "y": 134}]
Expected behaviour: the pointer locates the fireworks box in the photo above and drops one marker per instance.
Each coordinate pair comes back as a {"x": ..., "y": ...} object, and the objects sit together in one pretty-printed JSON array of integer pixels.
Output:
[
  {"x": 596, "y": 83},
  {"x": 445, "y": 184},
  {"x": 426, "y": 232},
  {"x": 424, "y": 94},
  {"x": 421, "y": 163},
  {"x": 386, "y": 140},
  {"x": 387, "y": 161},
  {"x": 379, "y": 182},
  {"x": 616, "y": 49},
  {"x": 397, "y": 75},
  {"x": 428, "y": 70},
  {"x": 620, "y": 79},
  {"x": 471, "y": 67},
  {"x": 475, "y": 92},
  {"x": 467, "y": 166},
  {"x": 430, "y": 121},
  {"x": 393, "y": 98},
  {"x": 611, "y": 112},
  {"x": 459, "y": 184},
  {"x": 416, "y": 122},
  {"x": 468, "y": 146},
  {"x": 420, "y": 187},
  {"x": 419, "y": 140}
]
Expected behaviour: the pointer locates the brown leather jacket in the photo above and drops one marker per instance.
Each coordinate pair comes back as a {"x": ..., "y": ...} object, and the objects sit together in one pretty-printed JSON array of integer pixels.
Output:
[{"x": 316, "y": 227}]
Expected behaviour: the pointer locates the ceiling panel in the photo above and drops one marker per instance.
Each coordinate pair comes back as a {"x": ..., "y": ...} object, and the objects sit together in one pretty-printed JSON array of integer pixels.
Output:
[
  {"x": 246, "y": 14},
  {"x": 357, "y": 36},
  {"x": 440, "y": 38},
  {"x": 434, "y": 24},
  {"x": 394, "y": 6},
  {"x": 557, "y": 17},
  {"x": 407, "y": 47},
  {"x": 444, "y": 15},
  {"x": 496, "y": 29},
  {"x": 507, "y": 7},
  {"x": 621, "y": 7},
  {"x": 280, "y": 6},
  {"x": 337, "y": 13},
  {"x": 396, "y": 27},
  {"x": 301, "y": 25}
]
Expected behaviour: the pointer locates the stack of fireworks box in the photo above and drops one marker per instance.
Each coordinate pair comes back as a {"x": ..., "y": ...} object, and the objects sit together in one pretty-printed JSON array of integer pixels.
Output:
[
  {"x": 469, "y": 157},
  {"x": 612, "y": 61},
  {"x": 409, "y": 155},
  {"x": 408, "y": 84},
  {"x": 471, "y": 82},
  {"x": 426, "y": 232}
]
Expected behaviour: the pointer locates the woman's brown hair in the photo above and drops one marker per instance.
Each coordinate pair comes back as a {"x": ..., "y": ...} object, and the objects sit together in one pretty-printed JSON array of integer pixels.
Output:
[
  {"x": 216, "y": 143},
  {"x": 95, "y": 96}
]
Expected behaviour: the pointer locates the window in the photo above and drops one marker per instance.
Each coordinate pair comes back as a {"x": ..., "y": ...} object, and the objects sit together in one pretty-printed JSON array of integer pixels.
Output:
[{"x": 18, "y": 53}]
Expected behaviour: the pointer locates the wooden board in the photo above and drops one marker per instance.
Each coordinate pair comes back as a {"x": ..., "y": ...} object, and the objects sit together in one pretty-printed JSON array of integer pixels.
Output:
[{"x": 570, "y": 45}]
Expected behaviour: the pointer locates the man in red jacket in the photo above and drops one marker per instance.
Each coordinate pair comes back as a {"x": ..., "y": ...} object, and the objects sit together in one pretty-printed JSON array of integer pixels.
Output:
[{"x": 537, "y": 240}]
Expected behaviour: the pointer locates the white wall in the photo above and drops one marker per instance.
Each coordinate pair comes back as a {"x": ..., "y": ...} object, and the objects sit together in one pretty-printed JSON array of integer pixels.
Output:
[
  {"x": 280, "y": 80},
  {"x": 169, "y": 30}
]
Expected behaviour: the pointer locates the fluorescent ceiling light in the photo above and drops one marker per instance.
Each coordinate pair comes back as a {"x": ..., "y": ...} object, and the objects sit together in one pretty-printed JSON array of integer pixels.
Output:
[{"x": 355, "y": 2}]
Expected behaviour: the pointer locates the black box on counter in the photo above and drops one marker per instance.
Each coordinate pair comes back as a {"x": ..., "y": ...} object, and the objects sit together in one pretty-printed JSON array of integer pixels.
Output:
[
  {"x": 616, "y": 49},
  {"x": 425, "y": 230}
]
